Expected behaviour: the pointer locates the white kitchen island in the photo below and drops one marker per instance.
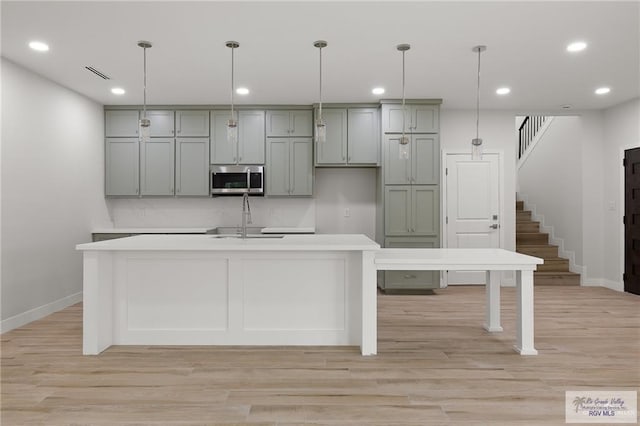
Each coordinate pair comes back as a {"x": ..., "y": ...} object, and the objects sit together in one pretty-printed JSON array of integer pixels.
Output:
[
  {"x": 212, "y": 290},
  {"x": 292, "y": 290}
]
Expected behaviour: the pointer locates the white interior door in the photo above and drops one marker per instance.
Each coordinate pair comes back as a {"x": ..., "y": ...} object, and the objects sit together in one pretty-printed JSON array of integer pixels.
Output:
[{"x": 472, "y": 207}]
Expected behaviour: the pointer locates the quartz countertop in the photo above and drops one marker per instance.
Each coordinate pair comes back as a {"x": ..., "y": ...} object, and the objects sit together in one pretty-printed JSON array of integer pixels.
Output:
[
  {"x": 267, "y": 230},
  {"x": 303, "y": 242}
]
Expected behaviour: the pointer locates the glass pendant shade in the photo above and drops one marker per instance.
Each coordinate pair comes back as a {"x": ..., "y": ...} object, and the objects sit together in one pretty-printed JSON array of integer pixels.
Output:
[
  {"x": 403, "y": 145},
  {"x": 321, "y": 131},
  {"x": 232, "y": 131},
  {"x": 476, "y": 149},
  {"x": 145, "y": 129}
]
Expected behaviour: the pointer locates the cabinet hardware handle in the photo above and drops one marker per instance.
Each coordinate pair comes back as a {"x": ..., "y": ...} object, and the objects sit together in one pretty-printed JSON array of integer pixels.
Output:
[
  {"x": 494, "y": 226},
  {"x": 409, "y": 276}
]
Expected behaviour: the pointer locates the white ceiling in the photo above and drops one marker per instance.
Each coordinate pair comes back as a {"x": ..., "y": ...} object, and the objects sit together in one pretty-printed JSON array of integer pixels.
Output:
[{"x": 189, "y": 63}]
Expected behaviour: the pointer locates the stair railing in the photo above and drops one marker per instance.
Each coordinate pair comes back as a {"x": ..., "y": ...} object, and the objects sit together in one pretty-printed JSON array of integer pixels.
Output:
[{"x": 527, "y": 132}]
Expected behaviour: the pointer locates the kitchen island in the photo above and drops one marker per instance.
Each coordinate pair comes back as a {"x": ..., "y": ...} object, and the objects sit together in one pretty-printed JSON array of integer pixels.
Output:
[{"x": 224, "y": 290}]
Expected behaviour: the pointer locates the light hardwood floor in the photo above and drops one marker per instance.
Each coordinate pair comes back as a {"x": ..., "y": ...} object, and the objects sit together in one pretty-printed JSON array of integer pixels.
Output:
[{"x": 436, "y": 366}]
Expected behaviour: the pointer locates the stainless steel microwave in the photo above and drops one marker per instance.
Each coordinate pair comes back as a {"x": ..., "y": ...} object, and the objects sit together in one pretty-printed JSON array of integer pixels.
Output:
[{"x": 234, "y": 180}]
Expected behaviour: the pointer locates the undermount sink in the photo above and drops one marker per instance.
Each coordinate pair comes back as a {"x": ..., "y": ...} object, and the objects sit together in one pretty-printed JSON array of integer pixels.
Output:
[
  {"x": 249, "y": 236},
  {"x": 233, "y": 230}
]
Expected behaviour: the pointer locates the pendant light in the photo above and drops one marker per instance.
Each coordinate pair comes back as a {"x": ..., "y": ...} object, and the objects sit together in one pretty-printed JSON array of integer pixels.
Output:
[
  {"x": 476, "y": 144},
  {"x": 232, "y": 124},
  {"x": 404, "y": 139},
  {"x": 321, "y": 130},
  {"x": 144, "y": 122}
]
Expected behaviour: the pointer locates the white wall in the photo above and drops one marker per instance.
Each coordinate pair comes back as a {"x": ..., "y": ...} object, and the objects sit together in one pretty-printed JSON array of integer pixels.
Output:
[
  {"x": 550, "y": 181},
  {"x": 621, "y": 131},
  {"x": 52, "y": 192}
]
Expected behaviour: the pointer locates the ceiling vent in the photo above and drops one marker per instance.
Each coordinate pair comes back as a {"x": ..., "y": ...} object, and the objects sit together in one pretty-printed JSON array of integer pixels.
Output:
[{"x": 98, "y": 73}]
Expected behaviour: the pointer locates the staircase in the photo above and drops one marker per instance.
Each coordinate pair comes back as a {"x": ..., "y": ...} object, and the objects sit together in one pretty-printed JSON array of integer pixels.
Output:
[{"x": 529, "y": 240}]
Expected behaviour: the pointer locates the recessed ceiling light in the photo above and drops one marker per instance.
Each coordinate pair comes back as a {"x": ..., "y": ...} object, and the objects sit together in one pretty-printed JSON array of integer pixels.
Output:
[
  {"x": 378, "y": 90},
  {"x": 576, "y": 46},
  {"x": 242, "y": 91},
  {"x": 602, "y": 90},
  {"x": 118, "y": 91},
  {"x": 503, "y": 91},
  {"x": 39, "y": 46}
]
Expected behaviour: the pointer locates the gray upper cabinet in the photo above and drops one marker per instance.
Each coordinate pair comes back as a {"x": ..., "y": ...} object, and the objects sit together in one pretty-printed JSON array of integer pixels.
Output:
[
  {"x": 251, "y": 137},
  {"x": 192, "y": 167},
  {"x": 250, "y": 146},
  {"x": 418, "y": 118},
  {"x": 422, "y": 166},
  {"x": 289, "y": 167},
  {"x": 162, "y": 123},
  {"x": 121, "y": 123},
  {"x": 192, "y": 123},
  {"x": 157, "y": 166},
  {"x": 364, "y": 136},
  {"x": 353, "y": 136},
  {"x": 334, "y": 149},
  {"x": 289, "y": 123},
  {"x": 121, "y": 167}
]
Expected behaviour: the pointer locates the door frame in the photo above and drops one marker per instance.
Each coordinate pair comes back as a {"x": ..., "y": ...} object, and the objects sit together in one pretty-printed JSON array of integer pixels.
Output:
[
  {"x": 443, "y": 197},
  {"x": 621, "y": 209}
]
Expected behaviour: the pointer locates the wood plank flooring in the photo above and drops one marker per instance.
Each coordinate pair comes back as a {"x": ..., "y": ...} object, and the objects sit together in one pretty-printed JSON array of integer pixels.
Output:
[{"x": 436, "y": 366}]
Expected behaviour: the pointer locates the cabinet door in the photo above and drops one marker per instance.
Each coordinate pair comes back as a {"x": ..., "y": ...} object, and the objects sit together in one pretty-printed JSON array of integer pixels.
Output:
[
  {"x": 277, "y": 167},
  {"x": 157, "y": 166},
  {"x": 222, "y": 152},
  {"x": 425, "y": 210},
  {"x": 301, "y": 166},
  {"x": 411, "y": 280},
  {"x": 192, "y": 166},
  {"x": 425, "y": 118},
  {"x": 364, "y": 136},
  {"x": 425, "y": 159},
  {"x": 397, "y": 210},
  {"x": 392, "y": 118},
  {"x": 192, "y": 123},
  {"x": 301, "y": 123},
  {"x": 334, "y": 149},
  {"x": 121, "y": 167},
  {"x": 162, "y": 123},
  {"x": 121, "y": 123},
  {"x": 278, "y": 123},
  {"x": 397, "y": 171},
  {"x": 251, "y": 137}
]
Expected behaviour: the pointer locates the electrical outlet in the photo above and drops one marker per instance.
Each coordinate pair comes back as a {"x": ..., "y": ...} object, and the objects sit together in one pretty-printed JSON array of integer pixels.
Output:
[{"x": 347, "y": 213}]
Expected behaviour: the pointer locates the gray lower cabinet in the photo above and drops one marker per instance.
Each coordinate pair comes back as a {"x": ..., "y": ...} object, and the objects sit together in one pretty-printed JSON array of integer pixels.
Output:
[
  {"x": 157, "y": 159},
  {"x": 411, "y": 280},
  {"x": 289, "y": 167},
  {"x": 411, "y": 210},
  {"x": 192, "y": 167},
  {"x": 250, "y": 146},
  {"x": 122, "y": 167}
]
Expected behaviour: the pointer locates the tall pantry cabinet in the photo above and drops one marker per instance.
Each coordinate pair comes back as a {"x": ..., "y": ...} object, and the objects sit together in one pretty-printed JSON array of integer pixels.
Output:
[{"x": 408, "y": 213}]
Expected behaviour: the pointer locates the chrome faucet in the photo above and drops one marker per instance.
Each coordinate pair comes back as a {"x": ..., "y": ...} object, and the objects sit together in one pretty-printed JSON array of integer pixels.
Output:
[{"x": 246, "y": 214}]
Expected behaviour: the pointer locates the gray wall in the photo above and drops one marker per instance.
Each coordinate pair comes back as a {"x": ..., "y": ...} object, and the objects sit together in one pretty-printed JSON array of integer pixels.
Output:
[{"x": 52, "y": 180}]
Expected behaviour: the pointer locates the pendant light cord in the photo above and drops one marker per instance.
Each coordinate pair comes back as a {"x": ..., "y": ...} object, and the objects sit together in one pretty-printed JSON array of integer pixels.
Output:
[
  {"x": 320, "y": 109},
  {"x": 478, "y": 99},
  {"x": 232, "y": 81},
  {"x": 144, "y": 87},
  {"x": 404, "y": 112}
]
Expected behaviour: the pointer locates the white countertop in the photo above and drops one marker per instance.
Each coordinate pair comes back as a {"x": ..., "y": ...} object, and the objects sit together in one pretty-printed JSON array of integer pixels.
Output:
[
  {"x": 267, "y": 230},
  {"x": 149, "y": 230},
  {"x": 304, "y": 242},
  {"x": 457, "y": 258}
]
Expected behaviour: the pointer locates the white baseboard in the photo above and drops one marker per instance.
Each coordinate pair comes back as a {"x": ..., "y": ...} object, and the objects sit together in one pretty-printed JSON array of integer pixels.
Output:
[
  {"x": 601, "y": 282},
  {"x": 39, "y": 312}
]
